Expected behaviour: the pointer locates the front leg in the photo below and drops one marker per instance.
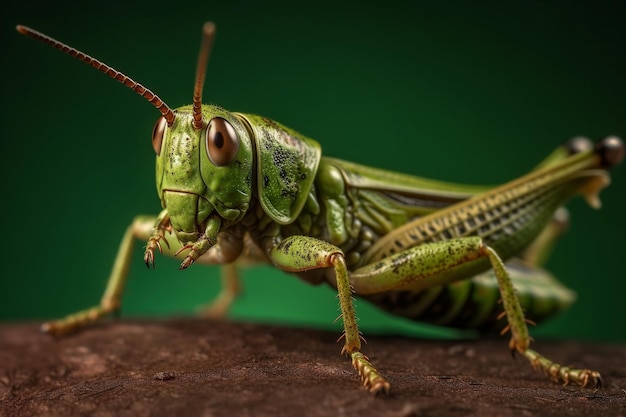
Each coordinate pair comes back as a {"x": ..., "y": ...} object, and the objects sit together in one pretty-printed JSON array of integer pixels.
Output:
[
  {"x": 303, "y": 253},
  {"x": 112, "y": 298},
  {"x": 161, "y": 227},
  {"x": 203, "y": 243}
]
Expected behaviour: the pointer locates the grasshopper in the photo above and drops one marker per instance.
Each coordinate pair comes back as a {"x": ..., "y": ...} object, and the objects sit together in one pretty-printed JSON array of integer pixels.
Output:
[{"x": 239, "y": 188}]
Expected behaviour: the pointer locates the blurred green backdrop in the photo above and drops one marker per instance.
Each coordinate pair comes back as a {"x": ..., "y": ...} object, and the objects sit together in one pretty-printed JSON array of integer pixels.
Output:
[{"x": 462, "y": 91}]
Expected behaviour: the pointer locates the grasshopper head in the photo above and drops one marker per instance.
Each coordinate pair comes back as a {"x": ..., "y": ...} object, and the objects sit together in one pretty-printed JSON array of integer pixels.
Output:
[{"x": 202, "y": 172}]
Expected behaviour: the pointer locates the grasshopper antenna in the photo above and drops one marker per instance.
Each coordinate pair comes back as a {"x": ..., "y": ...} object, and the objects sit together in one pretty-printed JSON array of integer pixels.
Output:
[
  {"x": 208, "y": 34},
  {"x": 167, "y": 113}
]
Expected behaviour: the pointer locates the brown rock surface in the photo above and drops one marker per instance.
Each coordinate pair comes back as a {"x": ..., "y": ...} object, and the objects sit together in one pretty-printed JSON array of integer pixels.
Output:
[{"x": 192, "y": 367}]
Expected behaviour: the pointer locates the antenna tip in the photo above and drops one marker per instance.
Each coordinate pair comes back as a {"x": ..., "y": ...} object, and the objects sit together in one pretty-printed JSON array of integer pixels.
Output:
[
  {"x": 208, "y": 28},
  {"x": 22, "y": 29}
]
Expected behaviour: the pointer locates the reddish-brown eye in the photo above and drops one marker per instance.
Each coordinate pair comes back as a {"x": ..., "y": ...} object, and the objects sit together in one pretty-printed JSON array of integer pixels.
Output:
[
  {"x": 157, "y": 134},
  {"x": 222, "y": 142}
]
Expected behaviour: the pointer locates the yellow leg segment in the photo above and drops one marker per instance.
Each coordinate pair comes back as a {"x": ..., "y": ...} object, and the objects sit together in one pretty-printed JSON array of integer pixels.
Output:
[
  {"x": 231, "y": 288},
  {"x": 564, "y": 374},
  {"x": 111, "y": 299}
]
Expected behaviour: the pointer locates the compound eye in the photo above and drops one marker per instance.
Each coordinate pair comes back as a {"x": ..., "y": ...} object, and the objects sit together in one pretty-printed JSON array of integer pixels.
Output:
[
  {"x": 157, "y": 134},
  {"x": 222, "y": 142}
]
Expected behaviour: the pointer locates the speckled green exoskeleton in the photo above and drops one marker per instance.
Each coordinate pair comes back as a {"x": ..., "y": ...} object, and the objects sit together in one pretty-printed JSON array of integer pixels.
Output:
[{"x": 238, "y": 188}]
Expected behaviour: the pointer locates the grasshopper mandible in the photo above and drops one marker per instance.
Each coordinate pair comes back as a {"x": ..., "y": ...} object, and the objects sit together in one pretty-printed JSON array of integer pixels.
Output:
[{"x": 239, "y": 188}]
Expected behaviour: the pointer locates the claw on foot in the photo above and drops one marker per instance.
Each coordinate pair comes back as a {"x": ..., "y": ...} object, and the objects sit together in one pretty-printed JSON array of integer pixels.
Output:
[
  {"x": 198, "y": 248},
  {"x": 371, "y": 379},
  {"x": 76, "y": 321},
  {"x": 153, "y": 243},
  {"x": 148, "y": 258},
  {"x": 564, "y": 374},
  {"x": 191, "y": 256}
]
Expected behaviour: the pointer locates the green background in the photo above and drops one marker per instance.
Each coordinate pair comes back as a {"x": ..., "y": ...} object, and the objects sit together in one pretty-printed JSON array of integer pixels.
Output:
[{"x": 462, "y": 91}]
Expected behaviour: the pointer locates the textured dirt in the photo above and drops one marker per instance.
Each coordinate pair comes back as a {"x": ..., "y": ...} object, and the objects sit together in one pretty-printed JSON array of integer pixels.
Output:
[{"x": 195, "y": 367}]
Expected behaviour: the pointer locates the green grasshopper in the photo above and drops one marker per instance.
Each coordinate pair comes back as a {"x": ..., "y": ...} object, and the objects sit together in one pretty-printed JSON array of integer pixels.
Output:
[{"x": 238, "y": 188}]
